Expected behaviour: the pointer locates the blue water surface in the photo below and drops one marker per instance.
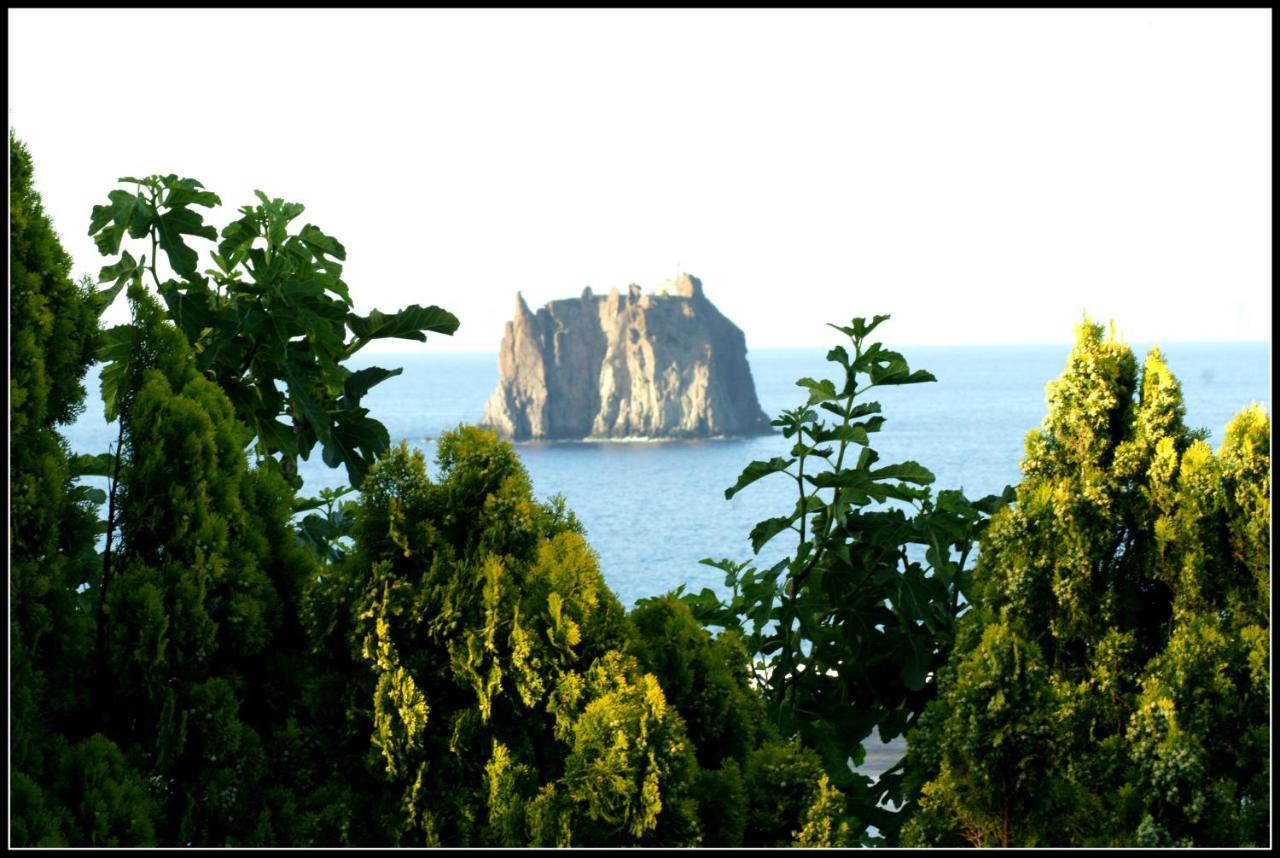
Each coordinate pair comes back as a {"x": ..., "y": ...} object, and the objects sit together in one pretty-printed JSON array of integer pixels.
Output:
[{"x": 652, "y": 510}]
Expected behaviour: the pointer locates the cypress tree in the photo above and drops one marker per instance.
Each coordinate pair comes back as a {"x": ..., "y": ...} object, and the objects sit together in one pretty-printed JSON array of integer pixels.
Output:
[
  {"x": 67, "y": 787},
  {"x": 200, "y": 622},
  {"x": 1109, "y": 686}
]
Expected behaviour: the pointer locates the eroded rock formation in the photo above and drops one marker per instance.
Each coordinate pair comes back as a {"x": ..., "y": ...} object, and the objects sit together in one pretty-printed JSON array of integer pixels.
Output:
[{"x": 661, "y": 365}]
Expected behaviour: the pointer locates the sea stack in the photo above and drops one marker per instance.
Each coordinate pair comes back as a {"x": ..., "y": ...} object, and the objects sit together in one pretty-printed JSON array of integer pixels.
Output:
[{"x": 666, "y": 364}]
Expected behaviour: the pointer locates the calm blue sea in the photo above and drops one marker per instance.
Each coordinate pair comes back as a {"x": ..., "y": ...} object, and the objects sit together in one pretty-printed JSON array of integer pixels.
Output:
[{"x": 652, "y": 510}]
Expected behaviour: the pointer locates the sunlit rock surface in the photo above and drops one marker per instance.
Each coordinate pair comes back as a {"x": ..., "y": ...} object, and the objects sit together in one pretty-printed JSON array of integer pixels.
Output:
[{"x": 662, "y": 365}]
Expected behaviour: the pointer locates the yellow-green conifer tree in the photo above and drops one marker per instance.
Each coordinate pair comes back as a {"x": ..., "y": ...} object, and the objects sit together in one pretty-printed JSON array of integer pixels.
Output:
[
  {"x": 1109, "y": 686},
  {"x": 510, "y": 699}
]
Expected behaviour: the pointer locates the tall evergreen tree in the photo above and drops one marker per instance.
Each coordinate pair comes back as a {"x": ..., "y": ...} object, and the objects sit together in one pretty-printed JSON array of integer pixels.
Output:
[
  {"x": 199, "y": 624},
  {"x": 66, "y": 787},
  {"x": 1112, "y": 651}
]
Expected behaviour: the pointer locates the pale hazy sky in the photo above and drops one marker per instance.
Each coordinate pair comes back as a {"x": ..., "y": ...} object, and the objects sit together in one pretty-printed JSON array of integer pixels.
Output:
[{"x": 983, "y": 176}]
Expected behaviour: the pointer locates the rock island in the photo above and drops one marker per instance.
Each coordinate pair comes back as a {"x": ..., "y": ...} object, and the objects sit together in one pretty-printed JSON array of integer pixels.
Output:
[{"x": 666, "y": 364}]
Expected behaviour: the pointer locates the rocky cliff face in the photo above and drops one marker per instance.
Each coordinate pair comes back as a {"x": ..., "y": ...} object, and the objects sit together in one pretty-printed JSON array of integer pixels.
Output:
[{"x": 662, "y": 365}]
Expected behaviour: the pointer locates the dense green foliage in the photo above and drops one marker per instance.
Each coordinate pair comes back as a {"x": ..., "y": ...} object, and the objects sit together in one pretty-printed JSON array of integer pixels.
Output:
[
  {"x": 461, "y": 675},
  {"x": 67, "y": 785},
  {"x": 849, "y": 629},
  {"x": 439, "y": 661},
  {"x": 273, "y": 310},
  {"x": 1111, "y": 685},
  {"x": 508, "y": 697},
  {"x": 200, "y": 630},
  {"x": 195, "y": 662}
]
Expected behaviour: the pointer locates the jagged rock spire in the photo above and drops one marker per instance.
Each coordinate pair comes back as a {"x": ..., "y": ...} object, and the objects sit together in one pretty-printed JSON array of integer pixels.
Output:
[{"x": 664, "y": 365}]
